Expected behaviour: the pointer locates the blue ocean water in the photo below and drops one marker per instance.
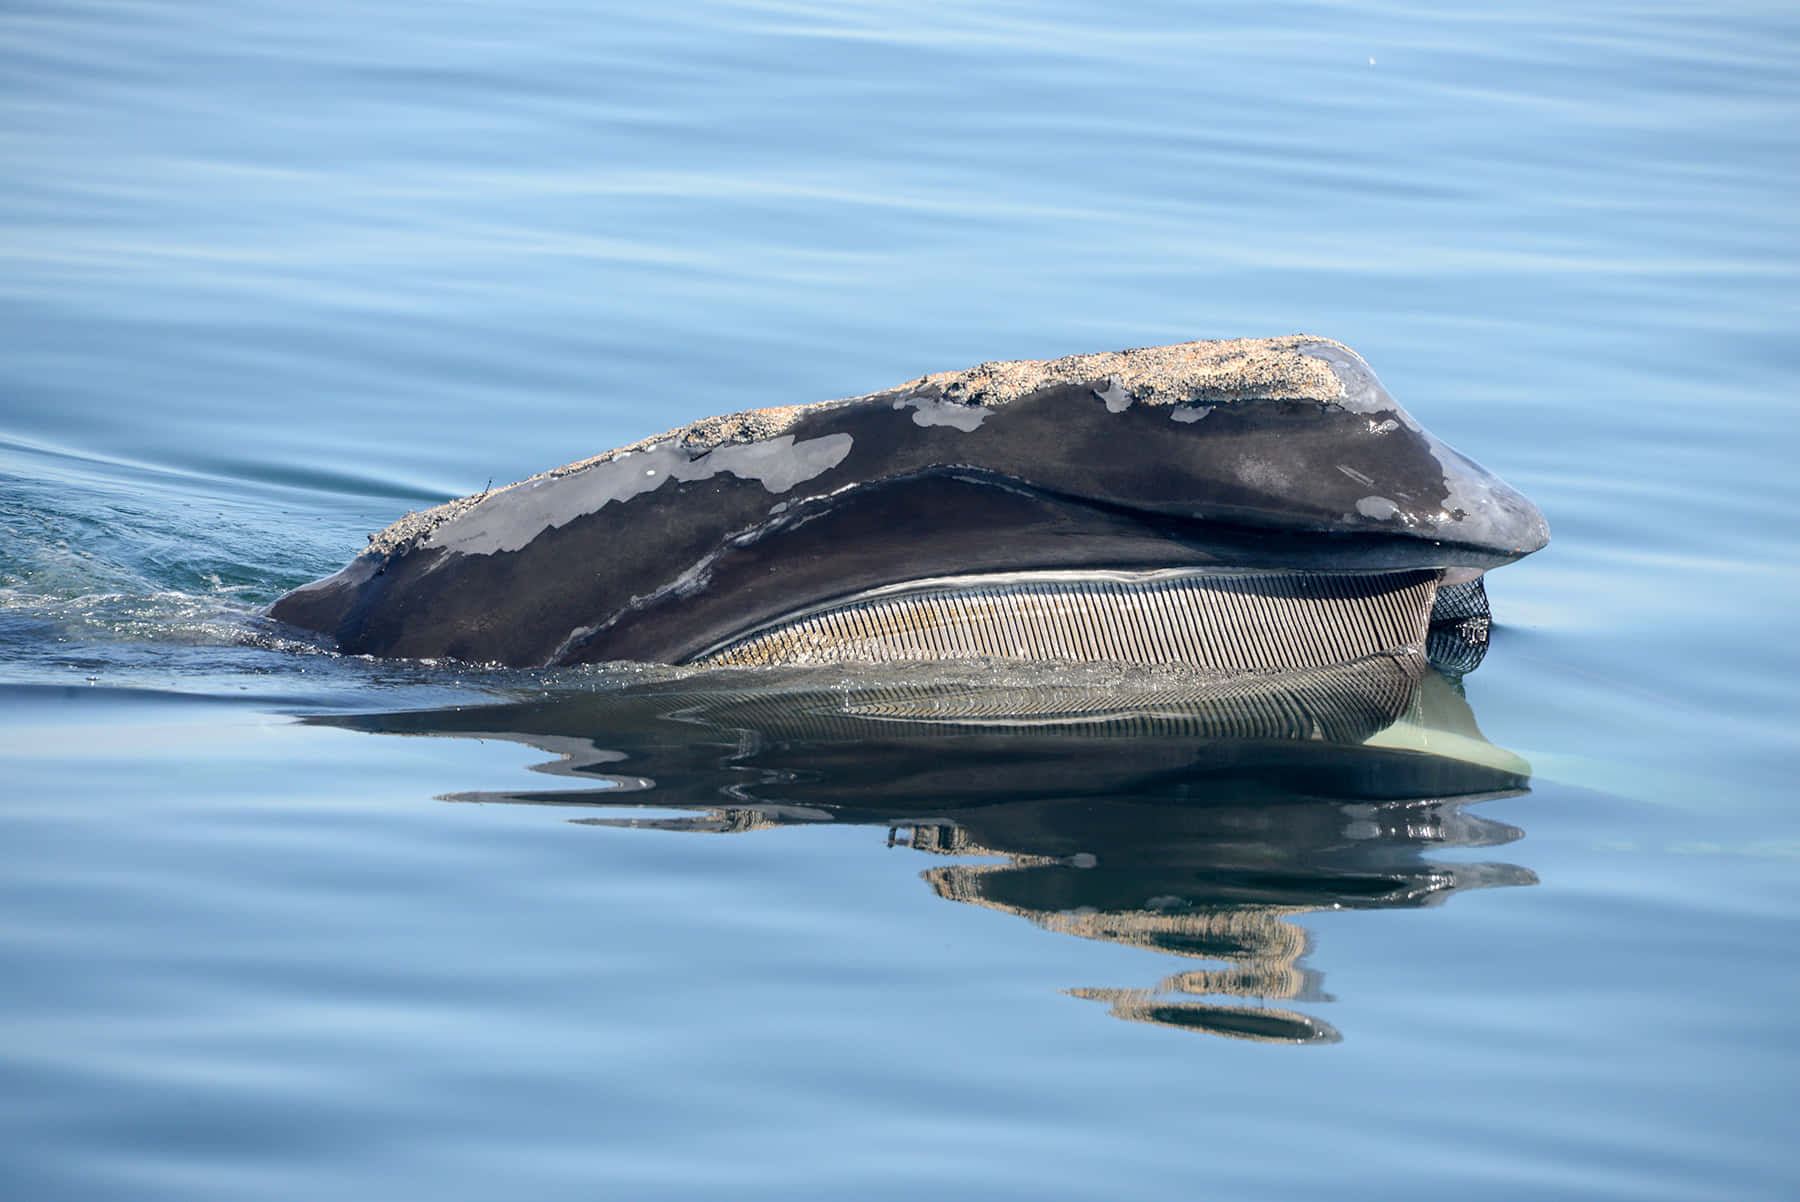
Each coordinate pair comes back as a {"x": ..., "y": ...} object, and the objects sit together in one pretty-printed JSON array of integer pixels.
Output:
[{"x": 274, "y": 274}]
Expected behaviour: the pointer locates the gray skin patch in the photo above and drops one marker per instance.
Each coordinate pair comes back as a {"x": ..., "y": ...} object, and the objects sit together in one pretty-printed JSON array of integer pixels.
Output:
[
  {"x": 928, "y": 411},
  {"x": 1188, "y": 414},
  {"x": 1478, "y": 508},
  {"x": 1265, "y": 474},
  {"x": 509, "y": 520},
  {"x": 1379, "y": 508},
  {"x": 1363, "y": 393},
  {"x": 1115, "y": 395}
]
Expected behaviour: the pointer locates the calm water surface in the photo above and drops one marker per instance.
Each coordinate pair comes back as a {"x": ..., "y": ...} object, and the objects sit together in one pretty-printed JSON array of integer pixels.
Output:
[{"x": 278, "y": 925}]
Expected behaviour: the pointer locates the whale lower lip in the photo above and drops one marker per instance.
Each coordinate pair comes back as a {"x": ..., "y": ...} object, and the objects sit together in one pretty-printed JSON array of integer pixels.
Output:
[{"x": 1017, "y": 510}]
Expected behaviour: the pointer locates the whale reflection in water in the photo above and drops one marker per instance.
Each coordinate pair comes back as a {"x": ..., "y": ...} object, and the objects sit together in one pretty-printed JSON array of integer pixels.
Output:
[{"x": 1190, "y": 813}]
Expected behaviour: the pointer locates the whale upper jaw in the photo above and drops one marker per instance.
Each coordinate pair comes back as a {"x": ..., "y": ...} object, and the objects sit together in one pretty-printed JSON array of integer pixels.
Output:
[{"x": 1279, "y": 455}]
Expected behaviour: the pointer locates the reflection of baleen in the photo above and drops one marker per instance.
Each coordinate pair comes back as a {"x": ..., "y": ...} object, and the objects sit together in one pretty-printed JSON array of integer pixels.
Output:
[
  {"x": 1341, "y": 703},
  {"x": 1183, "y": 812}
]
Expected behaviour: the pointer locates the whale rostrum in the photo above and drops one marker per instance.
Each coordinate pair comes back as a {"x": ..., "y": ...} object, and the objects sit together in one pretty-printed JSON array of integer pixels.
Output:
[{"x": 1248, "y": 504}]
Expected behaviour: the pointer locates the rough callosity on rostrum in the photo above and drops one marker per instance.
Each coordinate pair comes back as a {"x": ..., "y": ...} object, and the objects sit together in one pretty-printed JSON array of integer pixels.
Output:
[{"x": 1209, "y": 372}]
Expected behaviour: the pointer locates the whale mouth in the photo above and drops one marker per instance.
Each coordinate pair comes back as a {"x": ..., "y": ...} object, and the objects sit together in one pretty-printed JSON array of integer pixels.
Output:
[
  {"x": 1228, "y": 620},
  {"x": 1255, "y": 505}
]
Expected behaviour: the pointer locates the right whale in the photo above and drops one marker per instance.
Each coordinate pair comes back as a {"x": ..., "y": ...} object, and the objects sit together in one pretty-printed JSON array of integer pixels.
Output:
[{"x": 1257, "y": 504}]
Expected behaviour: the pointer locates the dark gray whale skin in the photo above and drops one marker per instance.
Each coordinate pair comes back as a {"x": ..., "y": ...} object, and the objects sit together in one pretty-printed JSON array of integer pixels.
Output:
[{"x": 659, "y": 552}]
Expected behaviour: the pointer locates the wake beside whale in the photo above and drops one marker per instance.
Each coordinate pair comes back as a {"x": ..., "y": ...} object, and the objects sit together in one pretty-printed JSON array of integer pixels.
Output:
[{"x": 1257, "y": 504}]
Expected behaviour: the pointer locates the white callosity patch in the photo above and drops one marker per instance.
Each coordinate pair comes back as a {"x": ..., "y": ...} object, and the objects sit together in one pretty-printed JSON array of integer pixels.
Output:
[
  {"x": 929, "y": 411},
  {"x": 507, "y": 521},
  {"x": 1116, "y": 396}
]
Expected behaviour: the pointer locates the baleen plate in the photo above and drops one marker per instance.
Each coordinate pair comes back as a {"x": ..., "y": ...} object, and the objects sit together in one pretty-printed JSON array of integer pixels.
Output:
[{"x": 1230, "y": 621}]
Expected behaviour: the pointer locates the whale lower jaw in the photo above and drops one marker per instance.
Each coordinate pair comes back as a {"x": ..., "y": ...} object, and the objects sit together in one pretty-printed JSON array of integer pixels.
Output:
[{"x": 1226, "y": 620}]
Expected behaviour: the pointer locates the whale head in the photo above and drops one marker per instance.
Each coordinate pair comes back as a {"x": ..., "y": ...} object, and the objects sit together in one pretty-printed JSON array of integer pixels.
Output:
[{"x": 1232, "y": 504}]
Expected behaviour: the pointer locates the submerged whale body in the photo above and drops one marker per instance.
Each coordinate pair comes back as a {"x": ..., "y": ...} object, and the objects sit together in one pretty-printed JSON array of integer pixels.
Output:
[{"x": 1254, "y": 504}]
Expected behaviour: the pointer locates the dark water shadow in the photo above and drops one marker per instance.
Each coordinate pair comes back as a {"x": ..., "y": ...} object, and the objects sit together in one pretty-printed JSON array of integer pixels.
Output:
[{"x": 1196, "y": 816}]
